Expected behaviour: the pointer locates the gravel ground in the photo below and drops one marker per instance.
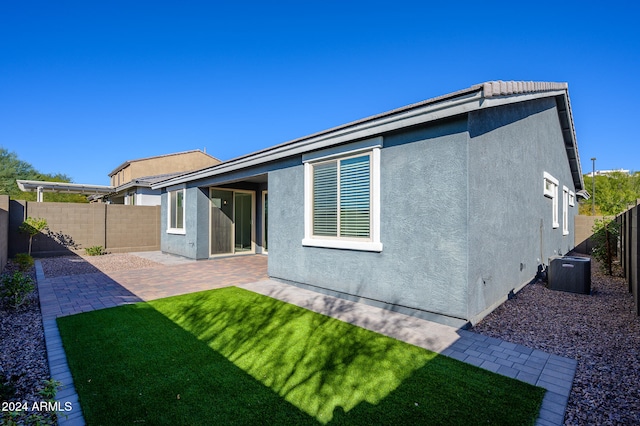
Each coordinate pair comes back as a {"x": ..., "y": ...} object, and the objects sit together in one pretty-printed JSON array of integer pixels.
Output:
[
  {"x": 23, "y": 356},
  {"x": 74, "y": 265},
  {"x": 600, "y": 330}
]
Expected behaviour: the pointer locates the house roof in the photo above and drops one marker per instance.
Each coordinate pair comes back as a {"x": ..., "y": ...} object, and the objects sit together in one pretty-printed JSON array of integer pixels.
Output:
[
  {"x": 126, "y": 163},
  {"x": 147, "y": 181},
  {"x": 144, "y": 182},
  {"x": 479, "y": 96}
]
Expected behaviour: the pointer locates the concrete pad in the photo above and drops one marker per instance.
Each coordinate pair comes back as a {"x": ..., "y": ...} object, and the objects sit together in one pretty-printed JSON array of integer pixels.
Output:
[{"x": 426, "y": 334}]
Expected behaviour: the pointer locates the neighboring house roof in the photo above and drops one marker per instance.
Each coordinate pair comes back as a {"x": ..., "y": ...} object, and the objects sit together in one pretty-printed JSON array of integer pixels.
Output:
[
  {"x": 126, "y": 163},
  {"x": 141, "y": 182},
  {"x": 480, "y": 96},
  {"x": 73, "y": 188},
  {"x": 147, "y": 181}
]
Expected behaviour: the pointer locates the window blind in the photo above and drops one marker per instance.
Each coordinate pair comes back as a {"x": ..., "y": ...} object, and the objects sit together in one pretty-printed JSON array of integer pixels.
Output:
[
  {"x": 355, "y": 197},
  {"x": 325, "y": 199}
]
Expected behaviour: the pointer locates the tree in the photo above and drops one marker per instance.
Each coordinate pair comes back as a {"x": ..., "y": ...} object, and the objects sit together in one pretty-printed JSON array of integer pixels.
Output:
[
  {"x": 605, "y": 239},
  {"x": 614, "y": 192},
  {"x": 12, "y": 169},
  {"x": 33, "y": 226}
]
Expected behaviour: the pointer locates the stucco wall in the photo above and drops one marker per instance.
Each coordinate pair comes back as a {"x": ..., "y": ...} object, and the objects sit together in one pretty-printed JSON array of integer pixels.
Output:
[
  {"x": 194, "y": 243},
  {"x": 181, "y": 162},
  {"x": 510, "y": 220},
  {"x": 583, "y": 233},
  {"x": 463, "y": 217},
  {"x": 423, "y": 215}
]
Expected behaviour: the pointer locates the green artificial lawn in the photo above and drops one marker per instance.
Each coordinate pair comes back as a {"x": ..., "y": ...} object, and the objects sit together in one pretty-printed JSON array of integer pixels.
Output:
[{"x": 231, "y": 356}]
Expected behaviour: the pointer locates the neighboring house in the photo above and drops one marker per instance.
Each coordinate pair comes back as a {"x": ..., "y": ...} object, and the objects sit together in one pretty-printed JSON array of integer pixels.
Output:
[
  {"x": 439, "y": 209},
  {"x": 133, "y": 179}
]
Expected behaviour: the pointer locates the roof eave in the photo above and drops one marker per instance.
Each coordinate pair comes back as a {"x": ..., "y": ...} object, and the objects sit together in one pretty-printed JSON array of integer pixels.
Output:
[{"x": 476, "y": 97}]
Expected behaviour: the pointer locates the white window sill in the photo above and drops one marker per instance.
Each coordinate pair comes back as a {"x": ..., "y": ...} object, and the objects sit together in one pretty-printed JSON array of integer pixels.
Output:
[
  {"x": 176, "y": 231},
  {"x": 343, "y": 244}
]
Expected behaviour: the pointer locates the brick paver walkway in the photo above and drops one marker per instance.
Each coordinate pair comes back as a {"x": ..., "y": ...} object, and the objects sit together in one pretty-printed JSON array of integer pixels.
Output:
[
  {"x": 73, "y": 294},
  {"x": 60, "y": 296}
]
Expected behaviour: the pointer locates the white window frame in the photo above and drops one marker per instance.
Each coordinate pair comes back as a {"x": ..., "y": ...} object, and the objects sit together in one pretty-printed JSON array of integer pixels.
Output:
[
  {"x": 182, "y": 230},
  {"x": 572, "y": 199},
  {"x": 551, "y": 191},
  {"x": 565, "y": 210},
  {"x": 373, "y": 243}
]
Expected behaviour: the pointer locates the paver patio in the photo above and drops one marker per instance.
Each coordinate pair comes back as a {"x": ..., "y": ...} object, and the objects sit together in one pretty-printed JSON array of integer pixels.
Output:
[{"x": 61, "y": 296}]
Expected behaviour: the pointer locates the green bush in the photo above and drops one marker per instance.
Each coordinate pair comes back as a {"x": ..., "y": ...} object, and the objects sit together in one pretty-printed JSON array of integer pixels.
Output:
[
  {"x": 94, "y": 251},
  {"x": 605, "y": 240},
  {"x": 24, "y": 261},
  {"x": 15, "y": 288},
  {"x": 33, "y": 226}
]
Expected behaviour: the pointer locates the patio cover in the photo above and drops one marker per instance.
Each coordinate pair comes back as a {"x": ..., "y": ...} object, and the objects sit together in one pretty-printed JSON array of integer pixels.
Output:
[{"x": 71, "y": 188}]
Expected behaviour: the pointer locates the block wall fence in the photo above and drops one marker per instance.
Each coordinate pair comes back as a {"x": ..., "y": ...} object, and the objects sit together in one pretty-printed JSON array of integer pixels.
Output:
[
  {"x": 73, "y": 227},
  {"x": 629, "y": 250}
]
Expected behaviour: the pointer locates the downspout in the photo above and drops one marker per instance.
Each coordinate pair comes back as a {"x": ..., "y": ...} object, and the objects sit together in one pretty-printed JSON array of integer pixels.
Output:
[{"x": 541, "y": 267}]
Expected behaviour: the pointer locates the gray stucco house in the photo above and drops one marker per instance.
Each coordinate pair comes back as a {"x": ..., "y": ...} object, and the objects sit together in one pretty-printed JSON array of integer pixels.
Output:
[{"x": 438, "y": 209}]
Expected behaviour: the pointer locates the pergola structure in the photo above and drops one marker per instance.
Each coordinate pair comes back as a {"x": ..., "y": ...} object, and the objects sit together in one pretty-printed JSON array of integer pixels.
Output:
[{"x": 70, "y": 188}]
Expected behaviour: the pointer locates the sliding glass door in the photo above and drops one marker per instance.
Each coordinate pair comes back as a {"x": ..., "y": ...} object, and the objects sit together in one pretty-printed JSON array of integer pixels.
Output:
[
  {"x": 243, "y": 204},
  {"x": 232, "y": 213}
]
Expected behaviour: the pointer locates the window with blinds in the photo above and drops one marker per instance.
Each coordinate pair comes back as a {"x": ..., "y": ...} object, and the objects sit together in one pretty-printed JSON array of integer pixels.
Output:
[{"x": 342, "y": 198}]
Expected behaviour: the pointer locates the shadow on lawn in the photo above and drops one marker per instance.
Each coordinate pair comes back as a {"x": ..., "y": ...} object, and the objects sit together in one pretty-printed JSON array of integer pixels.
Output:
[
  {"x": 313, "y": 361},
  {"x": 384, "y": 319},
  {"x": 323, "y": 366},
  {"x": 271, "y": 363}
]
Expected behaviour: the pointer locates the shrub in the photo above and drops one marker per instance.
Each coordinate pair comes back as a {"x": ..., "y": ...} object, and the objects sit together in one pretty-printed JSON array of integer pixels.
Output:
[
  {"x": 24, "y": 261},
  {"x": 94, "y": 251},
  {"x": 15, "y": 288},
  {"x": 32, "y": 226},
  {"x": 605, "y": 240}
]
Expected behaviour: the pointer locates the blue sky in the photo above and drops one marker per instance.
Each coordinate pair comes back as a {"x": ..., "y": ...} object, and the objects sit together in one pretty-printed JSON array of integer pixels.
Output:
[{"x": 85, "y": 86}]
